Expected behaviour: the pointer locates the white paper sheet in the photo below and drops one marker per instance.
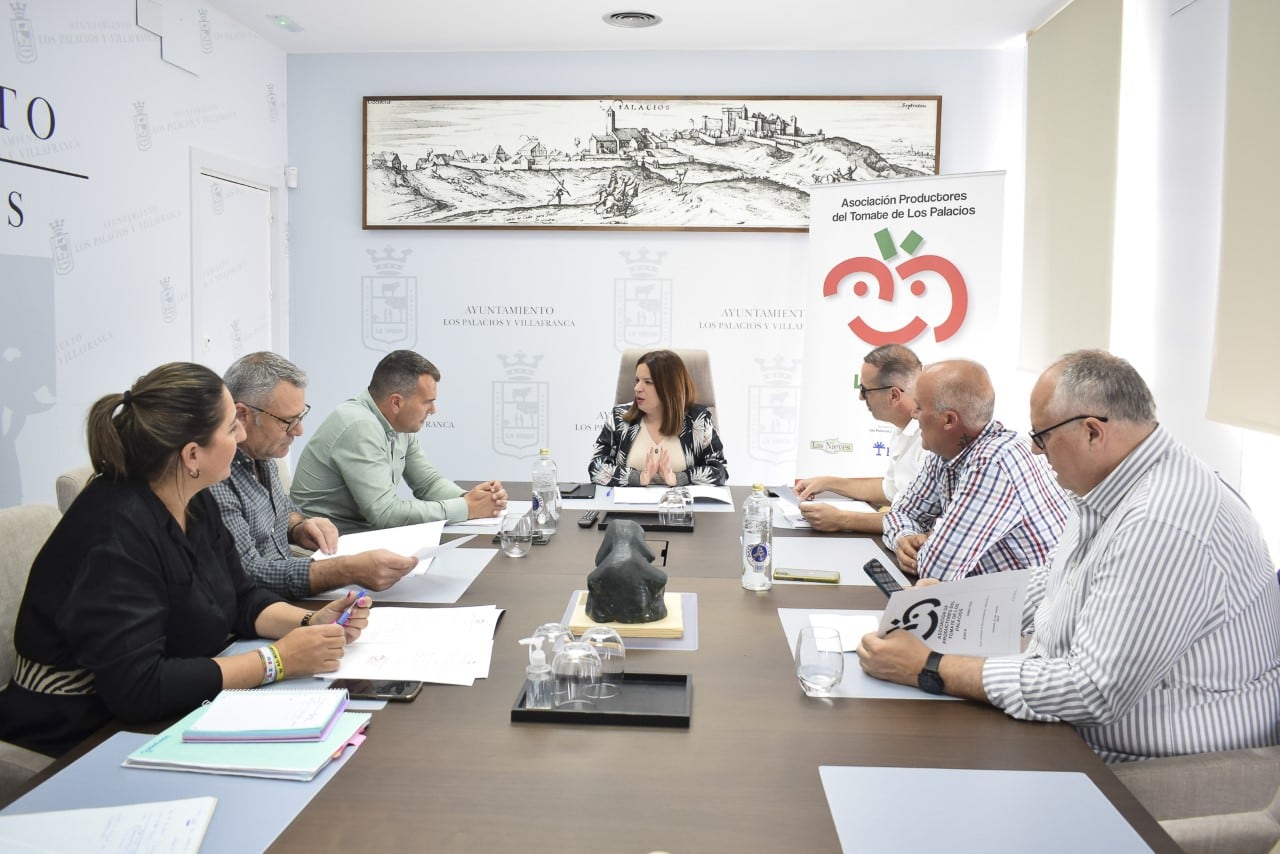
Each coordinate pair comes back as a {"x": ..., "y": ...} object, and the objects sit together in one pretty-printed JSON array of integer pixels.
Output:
[
  {"x": 653, "y": 494},
  {"x": 979, "y": 615},
  {"x": 451, "y": 646},
  {"x": 846, "y": 554},
  {"x": 162, "y": 827}
]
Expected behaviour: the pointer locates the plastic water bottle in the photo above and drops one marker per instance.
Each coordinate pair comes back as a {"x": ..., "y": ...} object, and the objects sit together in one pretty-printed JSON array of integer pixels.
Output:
[
  {"x": 546, "y": 495},
  {"x": 757, "y": 541}
]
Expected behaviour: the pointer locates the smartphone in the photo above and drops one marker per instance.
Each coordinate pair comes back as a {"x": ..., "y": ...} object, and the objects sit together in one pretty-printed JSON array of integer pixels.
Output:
[
  {"x": 826, "y": 576},
  {"x": 568, "y": 488},
  {"x": 400, "y": 690},
  {"x": 881, "y": 578}
]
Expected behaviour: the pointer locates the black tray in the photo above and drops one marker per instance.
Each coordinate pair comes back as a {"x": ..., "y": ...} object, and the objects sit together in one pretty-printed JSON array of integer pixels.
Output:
[
  {"x": 645, "y": 699},
  {"x": 647, "y": 521}
]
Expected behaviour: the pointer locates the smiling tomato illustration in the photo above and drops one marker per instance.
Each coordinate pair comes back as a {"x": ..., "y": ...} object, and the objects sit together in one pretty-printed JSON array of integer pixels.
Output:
[{"x": 914, "y": 271}]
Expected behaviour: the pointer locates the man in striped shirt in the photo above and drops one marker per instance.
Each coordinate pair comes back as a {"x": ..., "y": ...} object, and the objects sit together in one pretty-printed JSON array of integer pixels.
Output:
[
  {"x": 983, "y": 503},
  {"x": 1155, "y": 628}
]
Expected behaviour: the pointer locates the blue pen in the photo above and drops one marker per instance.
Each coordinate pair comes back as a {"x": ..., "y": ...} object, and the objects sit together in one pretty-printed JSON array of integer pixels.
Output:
[{"x": 346, "y": 615}]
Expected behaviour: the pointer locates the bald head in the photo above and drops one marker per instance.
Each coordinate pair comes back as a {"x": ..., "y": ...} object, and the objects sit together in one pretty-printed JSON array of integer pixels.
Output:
[{"x": 954, "y": 402}]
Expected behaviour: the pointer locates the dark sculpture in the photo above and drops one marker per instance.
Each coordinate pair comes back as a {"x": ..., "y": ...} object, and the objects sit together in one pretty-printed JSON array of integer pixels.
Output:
[{"x": 625, "y": 587}]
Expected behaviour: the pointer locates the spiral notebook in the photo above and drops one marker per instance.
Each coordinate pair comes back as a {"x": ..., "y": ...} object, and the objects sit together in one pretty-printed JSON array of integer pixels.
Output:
[{"x": 252, "y": 715}]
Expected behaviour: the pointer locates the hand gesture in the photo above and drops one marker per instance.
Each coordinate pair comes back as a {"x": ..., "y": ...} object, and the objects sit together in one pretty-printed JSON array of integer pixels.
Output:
[
  {"x": 486, "y": 500},
  {"x": 808, "y": 487},
  {"x": 380, "y": 568},
  {"x": 906, "y": 548},
  {"x": 316, "y": 533},
  {"x": 823, "y": 516}
]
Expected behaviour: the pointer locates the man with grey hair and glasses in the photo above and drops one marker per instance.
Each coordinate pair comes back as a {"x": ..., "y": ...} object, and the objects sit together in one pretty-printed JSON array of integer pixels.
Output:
[
  {"x": 1155, "y": 626},
  {"x": 270, "y": 397},
  {"x": 982, "y": 503}
]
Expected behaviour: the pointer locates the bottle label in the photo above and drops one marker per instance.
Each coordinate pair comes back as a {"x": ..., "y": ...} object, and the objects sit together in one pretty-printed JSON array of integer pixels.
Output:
[{"x": 758, "y": 553}]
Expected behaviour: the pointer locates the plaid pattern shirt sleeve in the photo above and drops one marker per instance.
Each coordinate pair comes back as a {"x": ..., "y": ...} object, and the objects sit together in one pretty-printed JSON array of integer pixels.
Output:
[{"x": 257, "y": 516}]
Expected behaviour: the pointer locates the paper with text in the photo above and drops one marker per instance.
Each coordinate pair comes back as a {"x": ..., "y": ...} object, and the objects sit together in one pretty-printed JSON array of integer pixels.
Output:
[
  {"x": 979, "y": 615},
  {"x": 163, "y": 827}
]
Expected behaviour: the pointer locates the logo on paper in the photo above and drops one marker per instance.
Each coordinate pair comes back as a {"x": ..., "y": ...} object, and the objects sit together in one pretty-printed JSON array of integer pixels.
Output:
[
  {"x": 168, "y": 303},
  {"x": 911, "y": 619},
  {"x": 60, "y": 245},
  {"x": 642, "y": 302},
  {"x": 774, "y": 411},
  {"x": 389, "y": 303},
  {"x": 831, "y": 446},
  {"x": 206, "y": 32},
  {"x": 141, "y": 126},
  {"x": 24, "y": 37},
  {"x": 918, "y": 271},
  {"x": 520, "y": 404}
]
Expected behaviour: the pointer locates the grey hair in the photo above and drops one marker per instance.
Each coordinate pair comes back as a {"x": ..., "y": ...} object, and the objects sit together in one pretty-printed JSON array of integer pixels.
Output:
[
  {"x": 398, "y": 373},
  {"x": 897, "y": 364},
  {"x": 1095, "y": 382},
  {"x": 253, "y": 378},
  {"x": 965, "y": 386}
]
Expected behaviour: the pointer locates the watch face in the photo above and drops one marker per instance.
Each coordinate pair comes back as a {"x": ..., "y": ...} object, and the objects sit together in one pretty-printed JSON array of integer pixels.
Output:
[{"x": 930, "y": 681}]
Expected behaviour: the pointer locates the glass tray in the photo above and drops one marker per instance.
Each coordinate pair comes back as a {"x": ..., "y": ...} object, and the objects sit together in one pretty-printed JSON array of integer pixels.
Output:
[{"x": 645, "y": 699}]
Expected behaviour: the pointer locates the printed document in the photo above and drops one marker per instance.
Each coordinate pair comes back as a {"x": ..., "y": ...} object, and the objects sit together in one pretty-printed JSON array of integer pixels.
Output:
[{"x": 980, "y": 615}]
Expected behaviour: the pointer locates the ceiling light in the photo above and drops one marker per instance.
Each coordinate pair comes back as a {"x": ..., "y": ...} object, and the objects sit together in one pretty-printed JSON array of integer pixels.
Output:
[
  {"x": 284, "y": 22},
  {"x": 632, "y": 20}
]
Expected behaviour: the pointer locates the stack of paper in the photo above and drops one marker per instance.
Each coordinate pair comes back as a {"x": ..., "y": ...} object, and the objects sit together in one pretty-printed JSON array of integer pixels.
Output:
[
  {"x": 163, "y": 827},
  {"x": 451, "y": 646},
  {"x": 653, "y": 494},
  {"x": 255, "y": 715},
  {"x": 420, "y": 541},
  {"x": 282, "y": 760}
]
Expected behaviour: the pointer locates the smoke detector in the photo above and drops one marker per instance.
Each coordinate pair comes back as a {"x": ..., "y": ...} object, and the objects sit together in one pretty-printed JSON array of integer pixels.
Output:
[{"x": 632, "y": 20}]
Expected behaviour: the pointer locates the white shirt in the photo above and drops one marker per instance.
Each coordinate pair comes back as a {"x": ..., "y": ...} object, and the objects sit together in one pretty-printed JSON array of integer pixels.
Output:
[{"x": 905, "y": 457}]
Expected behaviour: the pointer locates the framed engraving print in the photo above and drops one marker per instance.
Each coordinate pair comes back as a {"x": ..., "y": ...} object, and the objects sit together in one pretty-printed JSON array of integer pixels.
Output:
[{"x": 583, "y": 162}]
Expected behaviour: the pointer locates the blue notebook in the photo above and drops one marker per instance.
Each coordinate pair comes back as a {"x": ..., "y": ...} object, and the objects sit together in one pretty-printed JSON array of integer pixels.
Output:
[
  {"x": 282, "y": 760},
  {"x": 253, "y": 715}
]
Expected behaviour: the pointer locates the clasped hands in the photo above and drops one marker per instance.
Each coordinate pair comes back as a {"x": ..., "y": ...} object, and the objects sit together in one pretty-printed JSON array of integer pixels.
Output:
[
  {"x": 486, "y": 500},
  {"x": 658, "y": 465}
]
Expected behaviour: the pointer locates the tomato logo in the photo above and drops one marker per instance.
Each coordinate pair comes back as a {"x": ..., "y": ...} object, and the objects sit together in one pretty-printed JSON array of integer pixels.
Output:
[{"x": 886, "y": 285}]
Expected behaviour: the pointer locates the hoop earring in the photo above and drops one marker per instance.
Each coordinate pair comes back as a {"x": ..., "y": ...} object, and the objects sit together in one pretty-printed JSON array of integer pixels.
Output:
[{"x": 194, "y": 474}]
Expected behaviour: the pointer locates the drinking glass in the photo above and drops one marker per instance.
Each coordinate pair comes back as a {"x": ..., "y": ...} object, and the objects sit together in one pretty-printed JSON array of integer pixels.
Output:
[
  {"x": 608, "y": 645},
  {"x": 676, "y": 507},
  {"x": 576, "y": 671},
  {"x": 516, "y": 535},
  {"x": 819, "y": 660},
  {"x": 554, "y": 637}
]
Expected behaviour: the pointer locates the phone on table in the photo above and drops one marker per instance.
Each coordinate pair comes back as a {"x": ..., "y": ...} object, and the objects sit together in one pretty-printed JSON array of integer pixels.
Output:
[
  {"x": 880, "y": 576},
  {"x": 569, "y": 488},
  {"x": 399, "y": 690},
  {"x": 826, "y": 576}
]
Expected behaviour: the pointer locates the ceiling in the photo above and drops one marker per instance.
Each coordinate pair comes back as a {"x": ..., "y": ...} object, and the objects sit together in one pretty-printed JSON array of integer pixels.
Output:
[{"x": 376, "y": 26}]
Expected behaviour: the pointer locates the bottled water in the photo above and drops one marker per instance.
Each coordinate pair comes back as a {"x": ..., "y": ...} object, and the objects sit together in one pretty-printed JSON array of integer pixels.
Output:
[
  {"x": 546, "y": 495},
  {"x": 757, "y": 541}
]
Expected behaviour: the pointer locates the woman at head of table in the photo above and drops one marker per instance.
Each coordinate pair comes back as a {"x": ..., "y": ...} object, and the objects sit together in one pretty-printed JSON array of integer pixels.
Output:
[
  {"x": 662, "y": 437},
  {"x": 139, "y": 586}
]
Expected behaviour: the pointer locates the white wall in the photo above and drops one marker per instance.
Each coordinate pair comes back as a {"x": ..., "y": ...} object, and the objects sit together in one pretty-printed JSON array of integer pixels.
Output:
[
  {"x": 574, "y": 275},
  {"x": 95, "y": 274}
]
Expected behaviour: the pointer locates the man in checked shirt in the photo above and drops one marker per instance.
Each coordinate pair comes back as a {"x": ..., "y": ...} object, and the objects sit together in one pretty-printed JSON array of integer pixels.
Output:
[{"x": 983, "y": 503}]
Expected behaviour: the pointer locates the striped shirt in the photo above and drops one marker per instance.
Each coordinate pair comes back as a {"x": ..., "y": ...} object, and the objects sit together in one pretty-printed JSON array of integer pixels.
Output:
[
  {"x": 992, "y": 507},
  {"x": 257, "y": 515},
  {"x": 1156, "y": 628}
]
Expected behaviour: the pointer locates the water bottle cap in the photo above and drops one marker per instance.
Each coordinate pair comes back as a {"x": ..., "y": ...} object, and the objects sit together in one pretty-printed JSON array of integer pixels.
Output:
[
  {"x": 546, "y": 452},
  {"x": 757, "y": 487}
]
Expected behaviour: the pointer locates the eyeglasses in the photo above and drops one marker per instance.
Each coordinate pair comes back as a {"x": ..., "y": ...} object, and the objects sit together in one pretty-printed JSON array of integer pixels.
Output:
[
  {"x": 1037, "y": 436},
  {"x": 863, "y": 390},
  {"x": 289, "y": 423}
]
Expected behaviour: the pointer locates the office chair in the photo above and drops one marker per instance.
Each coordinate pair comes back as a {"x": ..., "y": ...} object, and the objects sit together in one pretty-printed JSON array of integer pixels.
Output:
[
  {"x": 696, "y": 362},
  {"x": 69, "y": 484},
  {"x": 23, "y": 530}
]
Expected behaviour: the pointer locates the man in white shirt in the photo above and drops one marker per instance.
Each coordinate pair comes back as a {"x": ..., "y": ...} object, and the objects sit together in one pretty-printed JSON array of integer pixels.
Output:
[{"x": 887, "y": 385}]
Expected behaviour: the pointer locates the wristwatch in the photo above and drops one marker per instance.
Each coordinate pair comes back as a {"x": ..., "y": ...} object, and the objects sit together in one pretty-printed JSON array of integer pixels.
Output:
[{"x": 930, "y": 679}]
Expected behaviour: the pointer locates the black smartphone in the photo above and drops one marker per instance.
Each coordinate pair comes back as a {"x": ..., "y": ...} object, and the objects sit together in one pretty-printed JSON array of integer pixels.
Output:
[
  {"x": 569, "y": 488},
  {"x": 876, "y": 571},
  {"x": 400, "y": 690}
]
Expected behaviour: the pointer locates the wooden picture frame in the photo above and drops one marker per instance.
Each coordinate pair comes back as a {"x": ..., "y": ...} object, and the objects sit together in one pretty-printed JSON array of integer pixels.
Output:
[{"x": 696, "y": 163}]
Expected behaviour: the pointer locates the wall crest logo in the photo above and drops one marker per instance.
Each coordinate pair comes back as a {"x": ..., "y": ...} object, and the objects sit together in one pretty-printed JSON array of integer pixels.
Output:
[
  {"x": 24, "y": 37},
  {"x": 60, "y": 243},
  {"x": 168, "y": 302},
  {"x": 273, "y": 108},
  {"x": 520, "y": 404},
  {"x": 642, "y": 302},
  {"x": 141, "y": 126},
  {"x": 206, "y": 32},
  {"x": 389, "y": 303},
  {"x": 215, "y": 193},
  {"x": 773, "y": 411}
]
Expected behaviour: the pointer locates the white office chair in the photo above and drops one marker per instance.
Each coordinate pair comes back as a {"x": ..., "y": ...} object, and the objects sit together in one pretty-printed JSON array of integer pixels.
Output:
[
  {"x": 69, "y": 484},
  {"x": 696, "y": 362},
  {"x": 23, "y": 530}
]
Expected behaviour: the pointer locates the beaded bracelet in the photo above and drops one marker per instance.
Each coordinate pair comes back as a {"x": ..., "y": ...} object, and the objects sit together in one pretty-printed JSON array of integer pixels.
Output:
[
  {"x": 268, "y": 666},
  {"x": 278, "y": 661},
  {"x": 306, "y": 618}
]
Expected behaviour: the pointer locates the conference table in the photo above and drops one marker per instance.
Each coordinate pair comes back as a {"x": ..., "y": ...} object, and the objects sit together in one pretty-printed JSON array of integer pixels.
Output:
[{"x": 451, "y": 771}]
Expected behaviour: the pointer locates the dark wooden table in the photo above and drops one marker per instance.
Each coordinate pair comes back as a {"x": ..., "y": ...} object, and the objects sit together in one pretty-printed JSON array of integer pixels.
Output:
[{"x": 451, "y": 772}]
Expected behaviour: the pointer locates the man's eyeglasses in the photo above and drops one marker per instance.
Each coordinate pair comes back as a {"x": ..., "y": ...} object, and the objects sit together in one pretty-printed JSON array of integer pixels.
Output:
[
  {"x": 1037, "y": 436},
  {"x": 863, "y": 390},
  {"x": 289, "y": 423}
]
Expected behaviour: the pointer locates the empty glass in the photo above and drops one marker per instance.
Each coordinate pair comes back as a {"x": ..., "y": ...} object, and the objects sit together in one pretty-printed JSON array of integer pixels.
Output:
[
  {"x": 608, "y": 645},
  {"x": 516, "y": 535},
  {"x": 576, "y": 671},
  {"x": 554, "y": 637},
  {"x": 819, "y": 660},
  {"x": 676, "y": 507}
]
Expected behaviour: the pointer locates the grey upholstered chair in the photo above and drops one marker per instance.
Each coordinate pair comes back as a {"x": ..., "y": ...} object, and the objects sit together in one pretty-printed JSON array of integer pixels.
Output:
[
  {"x": 696, "y": 362},
  {"x": 68, "y": 485},
  {"x": 23, "y": 530},
  {"x": 1212, "y": 803}
]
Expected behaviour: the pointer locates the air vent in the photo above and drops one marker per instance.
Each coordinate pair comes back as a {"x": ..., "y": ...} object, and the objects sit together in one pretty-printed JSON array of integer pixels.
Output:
[{"x": 632, "y": 20}]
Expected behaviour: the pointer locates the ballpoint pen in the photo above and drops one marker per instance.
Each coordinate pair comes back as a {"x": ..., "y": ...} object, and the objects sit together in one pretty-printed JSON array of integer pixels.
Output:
[{"x": 346, "y": 615}]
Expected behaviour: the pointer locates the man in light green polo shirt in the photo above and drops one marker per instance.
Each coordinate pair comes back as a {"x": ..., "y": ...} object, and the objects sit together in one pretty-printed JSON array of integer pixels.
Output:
[{"x": 350, "y": 471}]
